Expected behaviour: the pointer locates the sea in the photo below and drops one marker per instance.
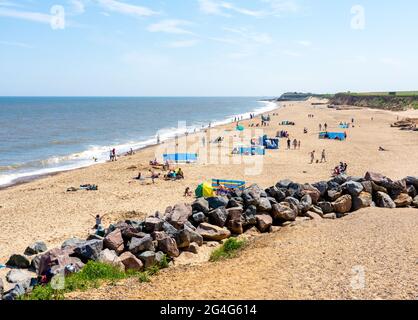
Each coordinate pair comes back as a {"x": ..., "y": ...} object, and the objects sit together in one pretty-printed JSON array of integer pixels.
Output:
[{"x": 43, "y": 135}]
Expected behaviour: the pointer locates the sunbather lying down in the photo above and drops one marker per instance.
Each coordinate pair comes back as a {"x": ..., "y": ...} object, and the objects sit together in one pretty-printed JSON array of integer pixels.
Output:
[{"x": 88, "y": 187}]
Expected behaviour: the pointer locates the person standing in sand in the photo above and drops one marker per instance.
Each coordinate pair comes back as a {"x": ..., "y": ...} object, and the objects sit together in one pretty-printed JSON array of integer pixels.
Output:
[
  {"x": 299, "y": 144},
  {"x": 312, "y": 156},
  {"x": 288, "y": 143},
  {"x": 320, "y": 127},
  {"x": 323, "y": 156},
  {"x": 295, "y": 144}
]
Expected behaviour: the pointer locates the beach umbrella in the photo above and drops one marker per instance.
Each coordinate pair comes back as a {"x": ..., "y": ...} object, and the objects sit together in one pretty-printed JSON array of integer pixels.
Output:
[
  {"x": 204, "y": 190},
  {"x": 240, "y": 128}
]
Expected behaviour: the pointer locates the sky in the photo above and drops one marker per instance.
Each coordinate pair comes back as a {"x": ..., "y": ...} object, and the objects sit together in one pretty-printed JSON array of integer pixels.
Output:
[{"x": 206, "y": 47}]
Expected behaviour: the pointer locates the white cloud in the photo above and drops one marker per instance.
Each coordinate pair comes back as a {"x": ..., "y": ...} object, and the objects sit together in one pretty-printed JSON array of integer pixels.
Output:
[
  {"x": 292, "y": 53},
  {"x": 219, "y": 8},
  {"x": 390, "y": 61},
  {"x": 279, "y": 7},
  {"x": 170, "y": 26},
  {"x": 245, "y": 33},
  {"x": 125, "y": 8},
  {"x": 78, "y": 6},
  {"x": 26, "y": 15},
  {"x": 182, "y": 44}
]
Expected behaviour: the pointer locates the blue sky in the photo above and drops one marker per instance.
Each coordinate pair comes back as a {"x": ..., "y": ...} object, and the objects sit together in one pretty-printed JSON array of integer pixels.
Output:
[{"x": 206, "y": 47}]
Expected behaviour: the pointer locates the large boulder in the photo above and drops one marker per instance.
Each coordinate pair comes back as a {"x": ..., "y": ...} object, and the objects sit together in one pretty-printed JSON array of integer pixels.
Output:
[
  {"x": 264, "y": 222},
  {"x": 218, "y": 216},
  {"x": 353, "y": 188},
  {"x": 169, "y": 247},
  {"x": 193, "y": 235},
  {"x": 72, "y": 243},
  {"x": 18, "y": 290},
  {"x": 294, "y": 204},
  {"x": 35, "y": 248},
  {"x": 170, "y": 230},
  {"x": 248, "y": 216},
  {"x": 20, "y": 276},
  {"x": 412, "y": 191},
  {"x": 363, "y": 200},
  {"x": 235, "y": 202},
  {"x": 217, "y": 202},
  {"x": 138, "y": 245},
  {"x": 343, "y": 204},
  {"x": 375, "y": 177},
  {"x": 284, "y": 212},
  {"x": 235, "y": 220},
  {"x": 395, "y": 188},
  {"x": 111, "y": 258},
  {"x": 413, "y": 181},
  {"x": 403, "y": 200},
  {"x": 264, "y": 205},
  {"x": 182, "y": 239},
  {"x": 210, "y": 232},
  {"x": 342, "y": 178},
  {"x": 252, "y": 195},
  {"x": 334, "y": 194},
  {"x": 18, "y": 261},
  {"x": 314, "y": 193},
  {"x": 367, "y": 186},
  {"x": 284, "y": 184},
  {"x": 326, "y": 207},
  {"x": 306, "y": 203},
  {"x": 148, "y": 259},
  {"x": 201, "y": 205},
  {"x": 322, "y": 186},
  {"x": 377, "y": 188},
  {"x": 89, "y": 250},
  {"x": 276, "y": 193},
  {"x": 199, "y": 218},
  {"x": 131, "y": 262},
  {"x": 153, "y": 224},
  {"x": 383, "y": 200},
  {"x": 178, "y": 215},
  {"x": 114, "y": 241}
]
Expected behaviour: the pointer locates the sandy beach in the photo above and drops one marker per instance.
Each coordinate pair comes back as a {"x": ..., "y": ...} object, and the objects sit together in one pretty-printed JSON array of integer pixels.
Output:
[{"x": 44, "y": 210}]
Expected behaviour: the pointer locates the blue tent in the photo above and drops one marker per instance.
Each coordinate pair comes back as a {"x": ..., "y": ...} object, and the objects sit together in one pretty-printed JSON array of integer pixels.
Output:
[
  {"x": 270, "y": 143},
  {"x": 332, "y": 135},
  {"x": 181, "y": 157},
  {"x": 252, "y": 151}
]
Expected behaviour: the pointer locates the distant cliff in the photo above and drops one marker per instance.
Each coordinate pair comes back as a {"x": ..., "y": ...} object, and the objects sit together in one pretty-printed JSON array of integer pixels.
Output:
[{"x": 389, "y": 101}]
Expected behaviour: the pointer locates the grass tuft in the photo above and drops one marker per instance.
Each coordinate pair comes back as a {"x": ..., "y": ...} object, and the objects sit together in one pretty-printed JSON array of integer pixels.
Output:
[{"x": 228, "y": 250}]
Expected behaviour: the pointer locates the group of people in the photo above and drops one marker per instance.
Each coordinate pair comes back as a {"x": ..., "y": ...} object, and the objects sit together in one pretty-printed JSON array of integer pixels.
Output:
[
  {"x": 340, "y": 169},
  {"x": 311, "y": 116},
  {"x": 282, "y": 134},
  {"x": 174, "y": 175},
  {"x": 323, "y": 157},
  {"x": 296, "y": 144},
  {"x": 325, "y": 127}
]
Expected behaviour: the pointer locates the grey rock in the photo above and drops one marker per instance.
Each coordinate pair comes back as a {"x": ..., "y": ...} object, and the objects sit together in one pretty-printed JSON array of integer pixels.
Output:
[
  {"x": 252, "y": 195},
  {"x": 322, "y": 186},
  {"x": 111, "y": 258},
  {"x": 182, "y": 239},
  {"x": 35, "y": 248},
  {"x": 412, "y": 181},
  {"x": 412, "y": 191},
  {"x": 218, "y": 216},
  {"x": 169, "y": 229},
  {"x": 367, "y": 186},
  {"x": 342, "y": 178},
  {"x": 306, "y": 203},
  {"x": 213, "y": 233},
  {"x": 317, "y": 210},
  {"x": 153, "y": 224},
  {"x": 169, "y": 247},
  {"x": 415, "y": 202},
  {"x": 353, "y": 188},
  {"x": 314, "y": 193},
  {"x": 276, "y": 193},
  {"x": 18, "y": 290},
  {"x": 264, "y": 205},
  {"x": 139, "y": 245},
  {"x": 248, "y": 216},
  {"x": 72, "y": 243},
  {"x": 234, "y": 203},
  {"x": 326, "y": 207},
  {"x": 20, "y": 276},
  {"x": 193, "y": 248},
  {"x": 284, "y": 183},
  {"x": 193, "y": 235},
  {"x": 89, "y": 250},
  {"x": 200, "y": 205},
  {"x": 294, "y": 204},
  {"x": 199, "y": 218},
  {"x": 178, "y": 215},
  {"x": 217, "y": 202},
  {"x": 383, "y": 200},
  {"x": 331, "y": 216},
  {"x": 334, "y": 194},
  {"x": 148, "y": 259}
]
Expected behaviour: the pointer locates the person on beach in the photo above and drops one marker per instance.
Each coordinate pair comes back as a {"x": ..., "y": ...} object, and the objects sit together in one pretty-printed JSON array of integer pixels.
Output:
[
  {"x": 312, "y": 154},
  {"x": 98, "y": 221},
  {"x": 288, "y": 143},
  {"x": 320, "y": 127},
  {"x": 114, "y": 154},
  {"x": 139, "y": 176},
  {"x": 325, "y": 127},
  {"x": 295, "y": 144},
  {"x": 188, "y": 192},
  {"x": 323, "y": 156},
  {"x": 299, "y": 144},
  {"x": 111, "y": 155},
  {"x": 180, "y": 174}
]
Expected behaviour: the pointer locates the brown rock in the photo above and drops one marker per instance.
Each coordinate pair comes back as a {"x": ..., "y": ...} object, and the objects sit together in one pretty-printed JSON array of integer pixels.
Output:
[
  {"x": 131, "y": 262},
  {"x": 179, "y": 215},
  {"x": 264, "y": 222},
  {"x": 403, "y": 200},
  {"x": 313, "y": 192},
  {"x": 343, "y": 204},
  {"x": 363, "y": 200},
  {"x": 284, "y": 212},
  {"x": 169, "y": 247},
  {"x": 114, "y": 241},
  {"x": 210, "y": 232}
]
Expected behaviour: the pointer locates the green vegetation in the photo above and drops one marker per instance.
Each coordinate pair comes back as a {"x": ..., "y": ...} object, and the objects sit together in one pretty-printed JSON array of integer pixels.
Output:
[
  {"x": 384, "y": 94},
  {"x": 91, "y": 276},
  {"x": 228, "y": 250}
]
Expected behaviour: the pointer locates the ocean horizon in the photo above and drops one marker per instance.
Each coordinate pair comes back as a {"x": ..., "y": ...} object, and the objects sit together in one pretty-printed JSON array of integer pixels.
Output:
[{"x": 44, "y": 135}]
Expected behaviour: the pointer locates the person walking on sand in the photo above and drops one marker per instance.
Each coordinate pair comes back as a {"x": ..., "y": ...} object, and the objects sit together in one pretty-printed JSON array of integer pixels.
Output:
[
  {"x": 299, "y": 144},
  {"x": 326, "y": 127},
  {"x": 312, "y": 156},
  {"x": 323, "y": 156},
  {"x": 295, "y": 144},
  {"x": 288, "y": 143},
  {"x": 320, "y": 127}
]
